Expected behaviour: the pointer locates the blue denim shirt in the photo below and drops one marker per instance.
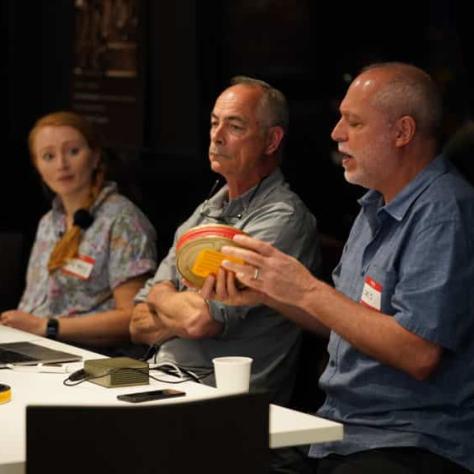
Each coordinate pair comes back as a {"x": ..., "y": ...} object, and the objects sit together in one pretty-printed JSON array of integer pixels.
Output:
[{"x": 419, "y": 250}]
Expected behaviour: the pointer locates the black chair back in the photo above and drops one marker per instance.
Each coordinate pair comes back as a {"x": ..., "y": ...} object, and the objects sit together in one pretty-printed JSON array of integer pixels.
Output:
[{"x": 220, "y": 435}]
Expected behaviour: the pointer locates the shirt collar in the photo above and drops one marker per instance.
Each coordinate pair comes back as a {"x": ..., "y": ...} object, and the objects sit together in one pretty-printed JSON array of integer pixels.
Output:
[
  {"x": 399, "y": 206},
  {"x": 244, "y": 201}
]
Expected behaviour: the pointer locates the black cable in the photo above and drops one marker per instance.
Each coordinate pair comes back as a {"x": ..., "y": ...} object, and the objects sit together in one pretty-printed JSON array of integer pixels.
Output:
[
  {"x": 189, "y": 375},
  {"x": 150, "y": 352},
  {"x": 172, "y": 369}
]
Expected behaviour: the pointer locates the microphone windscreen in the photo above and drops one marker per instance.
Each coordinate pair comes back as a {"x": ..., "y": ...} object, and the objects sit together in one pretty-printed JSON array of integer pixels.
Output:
[{"x": 83, "y": 218}]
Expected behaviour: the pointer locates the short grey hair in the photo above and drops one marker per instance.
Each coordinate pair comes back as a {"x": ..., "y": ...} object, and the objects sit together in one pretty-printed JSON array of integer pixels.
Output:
[
  {"x": 410, "y": 91},
  {"x": 273, "y": 105}
]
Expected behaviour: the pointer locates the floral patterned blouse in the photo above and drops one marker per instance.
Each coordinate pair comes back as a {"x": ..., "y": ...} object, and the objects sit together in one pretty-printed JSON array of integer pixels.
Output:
[{"x": 119, "y": 245}]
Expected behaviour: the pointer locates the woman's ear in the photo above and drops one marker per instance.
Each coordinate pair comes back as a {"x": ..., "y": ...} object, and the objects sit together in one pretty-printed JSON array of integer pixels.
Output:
[{"x": 96, "y": 159}]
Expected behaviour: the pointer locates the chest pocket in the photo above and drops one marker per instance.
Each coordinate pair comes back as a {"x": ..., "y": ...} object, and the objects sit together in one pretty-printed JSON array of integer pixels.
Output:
[{"x": 379, "y": 286}]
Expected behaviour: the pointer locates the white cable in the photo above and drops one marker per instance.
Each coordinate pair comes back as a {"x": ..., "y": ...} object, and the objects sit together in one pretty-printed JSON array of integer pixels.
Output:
[
  {"x": 55, "y": 369},
  {"x": 179, "y": 372}
]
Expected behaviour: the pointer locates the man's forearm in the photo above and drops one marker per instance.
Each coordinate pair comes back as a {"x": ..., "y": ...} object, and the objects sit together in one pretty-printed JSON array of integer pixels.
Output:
[
  {"x": 372, "y": 332},
  {"x": 300, "y": 317}
]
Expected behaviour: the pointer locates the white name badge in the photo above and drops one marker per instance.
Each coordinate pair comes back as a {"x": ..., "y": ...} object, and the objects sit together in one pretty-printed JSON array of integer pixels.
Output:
[
  {"x": 372, "y": 294},
  {"x": 80, "y": 267}
]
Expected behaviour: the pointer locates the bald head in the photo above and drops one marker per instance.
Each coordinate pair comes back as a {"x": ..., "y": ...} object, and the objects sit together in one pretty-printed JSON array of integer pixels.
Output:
[{"x": 402, "y": 89}]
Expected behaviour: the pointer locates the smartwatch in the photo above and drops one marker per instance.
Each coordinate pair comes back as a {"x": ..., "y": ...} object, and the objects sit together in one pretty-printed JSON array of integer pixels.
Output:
[{"x": 52, "y": 328}]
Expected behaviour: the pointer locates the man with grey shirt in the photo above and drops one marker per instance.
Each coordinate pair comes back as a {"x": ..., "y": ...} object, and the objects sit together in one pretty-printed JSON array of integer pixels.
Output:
[{"x": 248, "y": 124}]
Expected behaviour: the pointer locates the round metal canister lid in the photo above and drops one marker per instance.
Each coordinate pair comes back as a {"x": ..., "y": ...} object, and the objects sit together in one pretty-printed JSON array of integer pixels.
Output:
[{"x": 196, "y": 240}]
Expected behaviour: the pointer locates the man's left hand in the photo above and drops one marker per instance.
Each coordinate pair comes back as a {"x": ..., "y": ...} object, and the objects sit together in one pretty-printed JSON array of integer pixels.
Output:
[{"x": 224, "y": 288}]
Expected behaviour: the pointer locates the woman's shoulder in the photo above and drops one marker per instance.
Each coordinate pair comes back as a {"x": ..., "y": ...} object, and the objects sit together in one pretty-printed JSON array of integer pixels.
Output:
[
  {"x": 46, "y": 219},
  {"x": 117, "y": 208},
  {"x": 117, "y": 205}
]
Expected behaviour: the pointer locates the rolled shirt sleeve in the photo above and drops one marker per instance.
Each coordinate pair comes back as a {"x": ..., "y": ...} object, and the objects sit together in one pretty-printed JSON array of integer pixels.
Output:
[{"x": 132, "y": 249}]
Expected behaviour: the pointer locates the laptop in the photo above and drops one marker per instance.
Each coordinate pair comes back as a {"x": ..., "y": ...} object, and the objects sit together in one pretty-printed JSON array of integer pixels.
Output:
[
  {"x": 214, "y": 436},
  {"x": 29, "y": 353}
]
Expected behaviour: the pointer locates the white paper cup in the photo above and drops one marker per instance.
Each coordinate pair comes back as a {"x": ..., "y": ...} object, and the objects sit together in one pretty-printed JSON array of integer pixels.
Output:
[{"x": 232, "y": 373}]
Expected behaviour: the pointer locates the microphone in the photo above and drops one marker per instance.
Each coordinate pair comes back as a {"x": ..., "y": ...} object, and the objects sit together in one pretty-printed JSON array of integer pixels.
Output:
[{"x": 83, "y": 219}]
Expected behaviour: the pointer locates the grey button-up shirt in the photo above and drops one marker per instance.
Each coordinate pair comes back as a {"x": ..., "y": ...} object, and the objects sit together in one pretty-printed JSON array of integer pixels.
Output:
[{"x": 275, "y": 214}]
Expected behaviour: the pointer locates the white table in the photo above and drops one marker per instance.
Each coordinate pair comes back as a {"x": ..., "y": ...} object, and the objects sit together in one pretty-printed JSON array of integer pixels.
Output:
[{"x": 287, "y": 427}]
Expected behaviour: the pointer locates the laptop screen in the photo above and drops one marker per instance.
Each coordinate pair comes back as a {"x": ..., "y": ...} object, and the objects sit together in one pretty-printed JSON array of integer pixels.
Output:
[{"x": 27, "y": 353}]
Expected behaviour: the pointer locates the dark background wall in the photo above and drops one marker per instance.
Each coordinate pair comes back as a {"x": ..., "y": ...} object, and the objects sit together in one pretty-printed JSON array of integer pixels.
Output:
[{"x": 189, "y": 51}]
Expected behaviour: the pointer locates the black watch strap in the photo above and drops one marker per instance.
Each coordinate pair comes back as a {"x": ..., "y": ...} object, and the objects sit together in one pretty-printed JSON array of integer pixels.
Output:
[{"x": 52, "y": 328}]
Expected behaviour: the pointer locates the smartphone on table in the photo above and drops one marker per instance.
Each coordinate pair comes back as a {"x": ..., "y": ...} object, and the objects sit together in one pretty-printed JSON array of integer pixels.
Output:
[{"x": 138, "y": 397}]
